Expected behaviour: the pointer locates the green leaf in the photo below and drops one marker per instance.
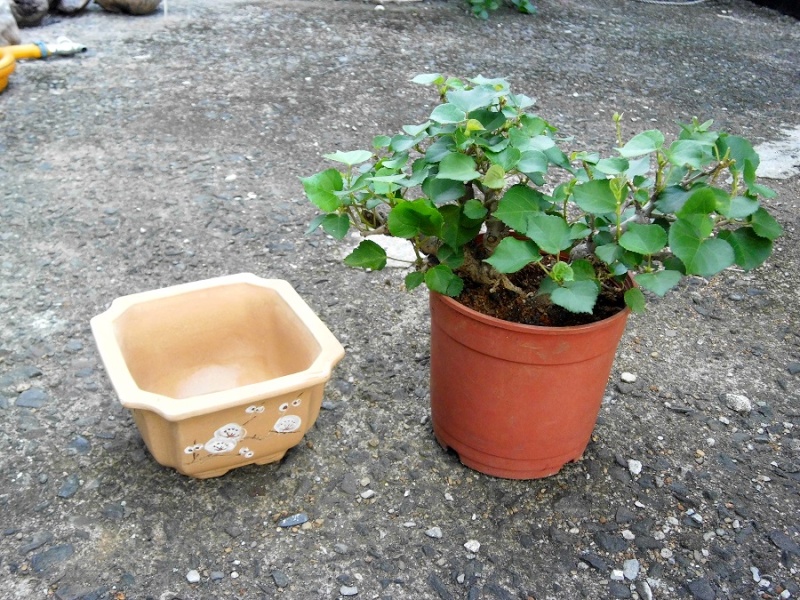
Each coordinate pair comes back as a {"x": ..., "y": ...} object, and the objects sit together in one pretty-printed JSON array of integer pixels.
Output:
[
  {"x": 495, "y": 178},
  {"x": 414, "y": 280},
  {"x": 765, "y": 225},
  {"x": 532, "y": 161},
  {"x": 595, "y": 197},
  {"x": 451, "y": 257},
  {"x": 354, "y": 157},
  {"x": 401, "y": 143},
  {"x": 458, "y": 167},
  {"x": 659, "y": 282},
  {"x": 474, "y": 209},
  {"x": 442, "y": 280},
  {"x": 583, "y": 270},
  {"x": 315, "y": 222},
  {"x": 506, "y": 158},
  {"x": 579, "y": 231},
  {"x": 750, "y": 181},
  {"x": 562, "y": 272},
  {"x": 415, "y": 130},
  {"x": 751, "y": 250},
  {"x": 550, "y": 232},
  {"x": 428, "y": 79},
  {"x": 689, "y": 153},
  {"x": 517, "y": 204},
  {"x": 439, "y": 149},
  {"x": 336, "y": 225},
  {"x": 741, "y": 207},
  {"x": 448, "y": 113},
  {"x": 469, "y": 100},
  {"x": 416, "y": 217},
  {"x": 643, "y": 239},
  {"x": 512, "y": 254},
  {"x": 458, "y": 228},
  {"x": 490, "y": 119},
  {"x": 442, "y": 191},
  {"x": 612, "y": 166},
  {"x": 635, "y": 300},
  {"x": 700, "y": 254},
  {"x": 672, "y": 199},
  {"x": 368, "y": 255},
  {"x": 740, "y": 149},
  {"x": 704, "y": 200},
  {"x": 576, "y": 296},
  {"x": 381, "y": 141},
  {"x": 643, "y": 143},
  {"x": 608, "y": 253},
  {"x": 320, "y": 189}
]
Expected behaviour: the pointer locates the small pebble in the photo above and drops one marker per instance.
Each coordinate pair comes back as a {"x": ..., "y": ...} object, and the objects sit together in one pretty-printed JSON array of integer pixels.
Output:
[
  {"x": 473, "y": 546},
  {"x": 628, "y": 377},
  {"x": 367, "y": 494},
  {"x": 294, "y": 520},
  {"x": 193, "y": 576},
  {"x": 347, "y": 590},
  {"x": 434, "y": 532},
  {"x": 738, "y": 403},
  {"x": 630, "y": 568},
  {"x": 635, "y": 467}
]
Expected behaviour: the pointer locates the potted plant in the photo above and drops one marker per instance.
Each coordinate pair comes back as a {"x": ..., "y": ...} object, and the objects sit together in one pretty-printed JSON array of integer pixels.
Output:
[{"x": 535, "y": 257}]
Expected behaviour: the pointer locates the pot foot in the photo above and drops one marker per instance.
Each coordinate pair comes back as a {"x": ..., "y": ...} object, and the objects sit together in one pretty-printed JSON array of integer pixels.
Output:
[{"x": 505, "y": 467}]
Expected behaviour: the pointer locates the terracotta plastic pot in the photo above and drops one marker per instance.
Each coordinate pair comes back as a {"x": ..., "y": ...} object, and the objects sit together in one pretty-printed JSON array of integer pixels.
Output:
[{"x": 517, "y": 401}]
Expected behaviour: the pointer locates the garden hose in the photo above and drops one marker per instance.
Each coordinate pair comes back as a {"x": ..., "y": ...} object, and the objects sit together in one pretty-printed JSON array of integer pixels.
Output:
[{"x": 10, "y": 54}]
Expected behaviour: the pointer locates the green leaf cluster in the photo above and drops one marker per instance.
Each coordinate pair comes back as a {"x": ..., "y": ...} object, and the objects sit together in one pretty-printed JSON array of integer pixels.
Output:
[{"x": 651, "y": 210}]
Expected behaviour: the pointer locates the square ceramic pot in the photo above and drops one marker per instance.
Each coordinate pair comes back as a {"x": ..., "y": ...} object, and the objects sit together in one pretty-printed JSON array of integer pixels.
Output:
[{"x": 218, "y": 373}]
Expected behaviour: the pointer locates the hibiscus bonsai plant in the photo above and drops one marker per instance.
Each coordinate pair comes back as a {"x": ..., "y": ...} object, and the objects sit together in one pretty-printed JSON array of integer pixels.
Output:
[
  {"x": 488, "y": 198},
  {"x": 536, "y": 255}
]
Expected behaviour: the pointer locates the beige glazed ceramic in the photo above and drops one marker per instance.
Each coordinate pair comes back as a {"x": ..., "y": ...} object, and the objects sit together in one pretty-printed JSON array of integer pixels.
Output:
[{"x": 218, "y": 373}]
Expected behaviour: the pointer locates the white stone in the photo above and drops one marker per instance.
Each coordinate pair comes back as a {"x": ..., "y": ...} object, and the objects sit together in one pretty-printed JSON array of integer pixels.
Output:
[
  {"x": 473, "y": 546},
  {"x": 628, "y": 534},
  {"x": 738, "y": 403},
  {"x": 193, "y": 576},
  {"x": 628, "y": 377},
  {"x": 434, "y": 532},
  {"x": 630, "y": 568},
  {"x": 366, "y": 494},
  {"x": 635, "y": 467},
  {"x": 617, "y": 575},
  {"x": 780, "y": 159},
  {"x": 347, "y": 590}
]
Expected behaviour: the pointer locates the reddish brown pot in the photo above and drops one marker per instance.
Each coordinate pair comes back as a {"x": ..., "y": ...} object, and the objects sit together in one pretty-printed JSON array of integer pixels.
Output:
[{"x": 516, "y": 401}]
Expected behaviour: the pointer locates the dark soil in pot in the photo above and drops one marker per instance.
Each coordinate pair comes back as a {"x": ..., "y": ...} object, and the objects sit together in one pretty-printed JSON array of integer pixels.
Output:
[{"x": 534, "y": 310}]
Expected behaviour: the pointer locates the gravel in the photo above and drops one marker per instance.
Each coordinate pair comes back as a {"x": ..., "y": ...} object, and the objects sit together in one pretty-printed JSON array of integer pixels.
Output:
[{"x": 171, "y": 150}]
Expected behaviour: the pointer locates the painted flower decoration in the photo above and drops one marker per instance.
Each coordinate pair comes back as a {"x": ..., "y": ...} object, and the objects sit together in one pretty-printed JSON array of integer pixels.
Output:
[
  {"x": 218, "y": 445},
  {"x": 192, "y": 449},
  {"x": 246, "y": 452},
  {"x": 254, "y": 409},
  {"x": 287, "y": 424},
  {"x": 231, "y": 431}
]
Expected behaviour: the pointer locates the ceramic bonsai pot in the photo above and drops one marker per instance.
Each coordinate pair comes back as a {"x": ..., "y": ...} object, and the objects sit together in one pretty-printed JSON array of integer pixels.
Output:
[
  {"x": 516, "y": 401},
  {"x": 218, "y": 373}
]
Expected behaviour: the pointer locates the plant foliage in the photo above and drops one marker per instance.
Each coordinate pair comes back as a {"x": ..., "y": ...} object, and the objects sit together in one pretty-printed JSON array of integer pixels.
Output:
[
  {"x": 484, "y": 163},
  {"x": 481, "y": 8}
]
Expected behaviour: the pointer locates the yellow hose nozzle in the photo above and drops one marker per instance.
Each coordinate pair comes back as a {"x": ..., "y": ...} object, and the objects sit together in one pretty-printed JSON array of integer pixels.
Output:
[{"x": 10, "y": 54}]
